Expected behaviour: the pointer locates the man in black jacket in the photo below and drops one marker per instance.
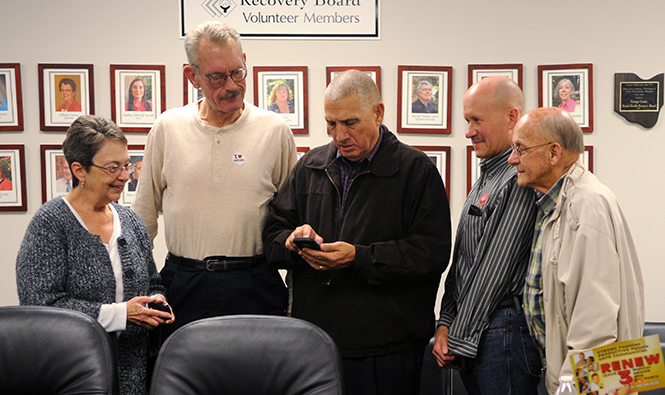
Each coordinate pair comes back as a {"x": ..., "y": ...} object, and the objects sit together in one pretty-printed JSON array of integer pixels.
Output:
[{"x": 379, "y": 211}]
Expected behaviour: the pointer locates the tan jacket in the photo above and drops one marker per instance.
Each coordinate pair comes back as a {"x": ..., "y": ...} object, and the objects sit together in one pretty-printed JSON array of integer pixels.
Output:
[{"x": 592, "y": 282}]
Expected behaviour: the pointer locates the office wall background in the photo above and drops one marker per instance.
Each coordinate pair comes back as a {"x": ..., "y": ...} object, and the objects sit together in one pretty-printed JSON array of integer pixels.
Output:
[{"x": 616, "y": 36}]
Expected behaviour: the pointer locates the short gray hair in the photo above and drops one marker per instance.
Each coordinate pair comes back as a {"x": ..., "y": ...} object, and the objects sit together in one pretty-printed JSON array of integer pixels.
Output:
[
  {"x": 354, "y": 82},
  {"x": 85, "y": 137},
  {"x": 557, "y": 125},
  {"x": 558, "y": 86},
  {"x": 421, "y": 83},
  {"x": 216, "y": 32}
]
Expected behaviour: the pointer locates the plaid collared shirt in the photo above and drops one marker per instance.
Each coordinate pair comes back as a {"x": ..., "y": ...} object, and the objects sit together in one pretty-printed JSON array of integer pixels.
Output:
[
  {"x": 349, "y": 170},
  {"x": 533, "y": 287}
]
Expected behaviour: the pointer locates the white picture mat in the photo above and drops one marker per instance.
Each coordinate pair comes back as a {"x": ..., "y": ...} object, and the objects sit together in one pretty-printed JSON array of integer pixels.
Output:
[
  {"x": 123, "y": 78},
  {"x": 64, "y": 118},
  {"x": 297, "y": 119},
  {"x": 424, "y": 121},
  {"x": 581, "y": 113}
]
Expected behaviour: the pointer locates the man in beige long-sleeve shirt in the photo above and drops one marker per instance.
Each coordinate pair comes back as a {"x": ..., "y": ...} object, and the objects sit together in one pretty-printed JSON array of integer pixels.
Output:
[
  {"x": 212, "y": 167},
  {"x": 584, "y": 288}
]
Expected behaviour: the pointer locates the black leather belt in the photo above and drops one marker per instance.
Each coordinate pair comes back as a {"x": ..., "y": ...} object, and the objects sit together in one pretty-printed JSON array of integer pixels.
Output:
[
  {"x": 509, "y": 301},
  {"x": 219, "y": 263}
]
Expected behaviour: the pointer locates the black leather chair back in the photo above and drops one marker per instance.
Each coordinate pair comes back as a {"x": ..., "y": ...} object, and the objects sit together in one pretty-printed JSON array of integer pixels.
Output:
[
  {"x": 248, "y": 355},
  {"x": 656, "y": 328},
  {"x": 48, "y": 350}
]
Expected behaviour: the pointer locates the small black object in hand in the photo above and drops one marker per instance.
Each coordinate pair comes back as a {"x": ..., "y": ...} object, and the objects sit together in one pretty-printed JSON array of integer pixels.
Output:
[{"x": 159, "y": 306}]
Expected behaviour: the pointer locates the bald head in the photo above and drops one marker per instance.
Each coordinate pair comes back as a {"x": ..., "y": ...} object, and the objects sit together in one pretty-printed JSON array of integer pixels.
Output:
[
  {"x": 503, "y": 92},
  {"x": 492, "y": 107},
  {"x": 354, "y": 82}
]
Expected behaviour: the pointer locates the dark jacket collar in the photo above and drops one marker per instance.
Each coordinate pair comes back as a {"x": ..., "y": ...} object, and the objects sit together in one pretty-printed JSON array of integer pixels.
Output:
[{"x": 384, "y": 164}]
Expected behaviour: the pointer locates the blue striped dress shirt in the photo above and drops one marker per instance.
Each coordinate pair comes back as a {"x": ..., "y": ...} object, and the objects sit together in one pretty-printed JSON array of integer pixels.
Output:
[{"x": 492, "y": 249}]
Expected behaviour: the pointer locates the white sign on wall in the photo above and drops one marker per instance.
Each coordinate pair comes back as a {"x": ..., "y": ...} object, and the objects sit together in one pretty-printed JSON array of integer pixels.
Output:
[{"x": 288, "y": 19}]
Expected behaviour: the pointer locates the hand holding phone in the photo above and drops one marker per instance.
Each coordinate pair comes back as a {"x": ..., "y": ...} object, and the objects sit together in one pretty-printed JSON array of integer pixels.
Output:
[
  {"x": 306, "y": 242},
  {"x": 160, "y": 306}
]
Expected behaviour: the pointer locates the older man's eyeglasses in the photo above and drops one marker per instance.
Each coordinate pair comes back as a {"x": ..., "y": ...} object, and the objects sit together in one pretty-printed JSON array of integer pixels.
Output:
[
  {"x": 115, "y": 168},
  {"x": 218, "y": 80},
  {"x": 521, "y": 151}
]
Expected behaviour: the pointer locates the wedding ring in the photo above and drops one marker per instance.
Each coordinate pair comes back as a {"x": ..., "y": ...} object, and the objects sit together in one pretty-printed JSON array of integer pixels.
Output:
[{"x": 320, "y": 267}]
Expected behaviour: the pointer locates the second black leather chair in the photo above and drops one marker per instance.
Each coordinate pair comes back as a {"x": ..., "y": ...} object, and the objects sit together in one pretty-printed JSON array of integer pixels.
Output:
[
  {"x": 249, "y": 355},
  {"x": 48, "y": 350}
]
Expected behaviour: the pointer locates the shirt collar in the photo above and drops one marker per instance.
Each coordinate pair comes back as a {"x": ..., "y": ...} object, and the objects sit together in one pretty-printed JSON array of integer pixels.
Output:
[
  {"x": 548, "y": 201},
  {"x": 369, "y": 156},
  {"x": 487, "y": 165}
]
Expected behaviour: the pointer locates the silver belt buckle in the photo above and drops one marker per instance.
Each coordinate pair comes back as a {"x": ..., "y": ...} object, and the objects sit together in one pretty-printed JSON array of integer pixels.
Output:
[{"x": 214, "y": 262}]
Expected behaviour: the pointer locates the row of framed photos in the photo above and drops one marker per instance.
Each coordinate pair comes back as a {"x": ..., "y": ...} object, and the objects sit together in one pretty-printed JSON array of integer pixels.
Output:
[
  {"x": 56, "y": 177},
  {"x": 138, "y": 93}
]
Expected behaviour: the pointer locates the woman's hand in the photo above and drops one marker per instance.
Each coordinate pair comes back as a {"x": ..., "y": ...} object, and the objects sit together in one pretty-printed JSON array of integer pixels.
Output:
[{"x": 139, "y": 314}]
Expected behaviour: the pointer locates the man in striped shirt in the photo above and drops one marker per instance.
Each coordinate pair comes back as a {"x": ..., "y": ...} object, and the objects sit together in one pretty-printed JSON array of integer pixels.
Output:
[{"x": 482, "y": 330}]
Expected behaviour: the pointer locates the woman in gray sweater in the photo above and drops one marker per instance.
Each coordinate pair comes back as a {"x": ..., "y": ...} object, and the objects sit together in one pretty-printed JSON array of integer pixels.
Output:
[{"x": 85, "y": 252}]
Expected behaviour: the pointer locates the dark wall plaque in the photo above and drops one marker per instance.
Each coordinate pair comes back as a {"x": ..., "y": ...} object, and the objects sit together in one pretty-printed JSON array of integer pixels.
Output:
[{"x": 638, "y": 100}]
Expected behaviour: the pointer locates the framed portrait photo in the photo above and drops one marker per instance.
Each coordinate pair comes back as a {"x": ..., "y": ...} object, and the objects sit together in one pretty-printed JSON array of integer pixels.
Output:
[
  {"x": 283, "y": 90},
  {"x": 136, "y": 158},
  {"x": 301, "y": 151},
  {"x": 440, "y": 156},
  {"x": 472, "y": 168},
  {"x": 190, "y": 94},
  {"x": 479, "y": 71},
  {"x": 56, "y": 175},
  {"x": 11, "y": 97},
  {"x": 568, "y": 86},
  {"x": 138, "y": 96},
  {"x": 13, "y": 195},
  {"x": 67, "y": 92},
  {"x": 587, "y": 157},
  {"x": 424, "y": 99},
  {"x": 373, "y": 71}
]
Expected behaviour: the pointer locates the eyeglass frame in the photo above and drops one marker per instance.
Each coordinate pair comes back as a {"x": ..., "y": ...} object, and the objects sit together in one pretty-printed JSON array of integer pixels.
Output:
[
  {"x": 114, "y": 169},
  {"x": 224, "y": 75},
  {"x": 521, "y": 151}
]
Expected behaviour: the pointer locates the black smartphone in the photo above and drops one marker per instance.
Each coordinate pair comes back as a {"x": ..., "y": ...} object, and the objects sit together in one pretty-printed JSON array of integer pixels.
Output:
[
  {"x": 159, "y": 306},
  {"x": 306, "y": 242}
]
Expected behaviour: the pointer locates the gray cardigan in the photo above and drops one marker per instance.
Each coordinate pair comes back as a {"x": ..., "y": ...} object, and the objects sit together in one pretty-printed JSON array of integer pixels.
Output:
[{"x": 61, "y": 264}]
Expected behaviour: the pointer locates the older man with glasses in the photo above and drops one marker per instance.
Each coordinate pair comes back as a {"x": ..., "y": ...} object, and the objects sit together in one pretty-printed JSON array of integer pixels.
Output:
[
  {"x": 212, "y": 166},
  {"x": 584, "y": 287}
]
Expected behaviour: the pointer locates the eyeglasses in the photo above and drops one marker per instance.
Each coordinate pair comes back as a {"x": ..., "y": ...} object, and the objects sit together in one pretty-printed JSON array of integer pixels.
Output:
[
  {"x": 218, "y": 80},
  {"x": 522, "y": 151},
  {"x": 114, "y": 169}
]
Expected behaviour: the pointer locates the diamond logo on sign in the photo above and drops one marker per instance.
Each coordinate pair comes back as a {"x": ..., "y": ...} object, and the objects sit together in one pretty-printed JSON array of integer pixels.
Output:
[
  {"x": 219, "y": 7},
  {"x": 288, "y": 19}
]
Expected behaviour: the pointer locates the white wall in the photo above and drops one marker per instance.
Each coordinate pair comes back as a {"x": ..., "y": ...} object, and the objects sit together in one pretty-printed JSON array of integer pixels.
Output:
[{"x": 610, "y": 34}]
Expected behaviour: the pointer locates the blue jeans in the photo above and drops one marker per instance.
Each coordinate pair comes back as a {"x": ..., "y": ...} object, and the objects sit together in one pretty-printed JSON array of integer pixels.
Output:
[{"x": 507, "y": 361}]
